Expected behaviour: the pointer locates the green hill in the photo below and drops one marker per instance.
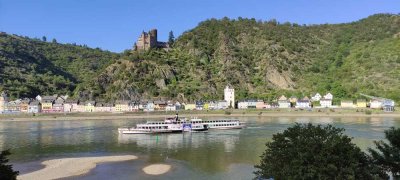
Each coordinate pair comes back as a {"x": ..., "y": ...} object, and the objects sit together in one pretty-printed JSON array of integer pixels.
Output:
[
  {"x": 260, "y": 59},
  {"x": 29, "y": 67}
]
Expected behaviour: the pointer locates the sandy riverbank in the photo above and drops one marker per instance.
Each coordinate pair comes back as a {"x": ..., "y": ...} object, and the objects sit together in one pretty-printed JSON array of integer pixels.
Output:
[
  {"x": 66, "y": 167},
  {"x": 158, "y": 115}
]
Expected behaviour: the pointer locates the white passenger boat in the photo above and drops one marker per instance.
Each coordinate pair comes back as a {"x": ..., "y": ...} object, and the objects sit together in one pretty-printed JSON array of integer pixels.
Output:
[
  {"x": 152, "y": 127},
  {"x": 176, "y": 125},
  {"x": 169, "y": 125},
  {"x": 220, "y": 124}
]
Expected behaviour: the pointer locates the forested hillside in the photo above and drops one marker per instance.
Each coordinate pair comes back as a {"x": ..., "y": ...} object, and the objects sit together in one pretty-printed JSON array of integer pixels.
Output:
[
  {"x": 260, "y": 59},
  {"x": 29, "y": 67}
]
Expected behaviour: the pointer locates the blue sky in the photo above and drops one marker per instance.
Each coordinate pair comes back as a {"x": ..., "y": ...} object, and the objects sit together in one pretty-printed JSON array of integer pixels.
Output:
[{"x": 116, "y": 24}]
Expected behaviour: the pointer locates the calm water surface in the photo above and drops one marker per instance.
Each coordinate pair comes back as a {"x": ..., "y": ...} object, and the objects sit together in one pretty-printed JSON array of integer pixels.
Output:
[{"x": 224, "y": 154}]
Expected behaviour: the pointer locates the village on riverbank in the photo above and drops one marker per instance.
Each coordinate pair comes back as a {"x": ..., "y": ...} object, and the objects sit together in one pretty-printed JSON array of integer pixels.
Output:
[{"x": 64, "y": 104}]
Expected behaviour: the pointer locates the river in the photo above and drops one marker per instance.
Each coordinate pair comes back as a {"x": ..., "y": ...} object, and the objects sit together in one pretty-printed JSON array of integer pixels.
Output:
[{"x": 217, "y": 154}]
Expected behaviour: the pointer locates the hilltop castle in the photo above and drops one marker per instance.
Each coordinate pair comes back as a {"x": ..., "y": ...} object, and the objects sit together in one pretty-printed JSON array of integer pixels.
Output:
[{"x": 149, "y": 40}]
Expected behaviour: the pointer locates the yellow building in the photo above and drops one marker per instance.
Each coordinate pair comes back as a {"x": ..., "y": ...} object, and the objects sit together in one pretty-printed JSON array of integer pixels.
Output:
[
  {"x": 47, "y": 103},
  {"x": 190, "y": 106},
  {"x": 206, "y": 106},
  {"x": 361, "y": 103},
  {"x": 47, "y": 106},
  {"x": 89, "y": 106},
  {"x": 121, "y": 106},
  {"x": 347, "y": 104}
]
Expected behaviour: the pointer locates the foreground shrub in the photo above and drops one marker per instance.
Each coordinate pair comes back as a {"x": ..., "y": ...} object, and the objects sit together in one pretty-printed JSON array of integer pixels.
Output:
[
  {"x": 6, "y": 171},
  {"x": 315, "y": 152},
  {"x": 388, "y": 154}
]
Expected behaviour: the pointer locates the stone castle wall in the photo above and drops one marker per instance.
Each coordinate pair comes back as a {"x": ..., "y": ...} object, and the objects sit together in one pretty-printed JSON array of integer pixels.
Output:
[{"x": 148, "y": 40}]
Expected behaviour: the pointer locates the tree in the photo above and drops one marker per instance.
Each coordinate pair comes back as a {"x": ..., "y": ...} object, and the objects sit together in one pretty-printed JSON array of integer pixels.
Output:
[
  {"x": 315, "y": 152},
  {"x": 54, "y": 40},
  {"x": 6, "y": 171},
  {"x": 389, "y": 153},
  {"x": 171, "y": 38},
  {"x": 44, "y": 38}
]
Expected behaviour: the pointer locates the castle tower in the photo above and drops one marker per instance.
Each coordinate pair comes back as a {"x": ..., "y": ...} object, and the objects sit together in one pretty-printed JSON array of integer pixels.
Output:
[
  {"x": 141, "y": 43},
  {"x": 153, "y": 38},
  {"x": 229, "y": 96}
]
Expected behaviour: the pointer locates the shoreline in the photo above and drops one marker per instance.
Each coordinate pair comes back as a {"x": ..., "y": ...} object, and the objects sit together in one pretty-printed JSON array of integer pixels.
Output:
[{"x": 233, "y": 113}]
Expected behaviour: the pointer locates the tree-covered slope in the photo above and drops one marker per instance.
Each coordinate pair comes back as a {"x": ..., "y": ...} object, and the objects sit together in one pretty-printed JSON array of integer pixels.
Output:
[
  {"x": 362, "y": 57},
  {"x": 29, "y": 67},
  {"x": 263, "y": 60}
]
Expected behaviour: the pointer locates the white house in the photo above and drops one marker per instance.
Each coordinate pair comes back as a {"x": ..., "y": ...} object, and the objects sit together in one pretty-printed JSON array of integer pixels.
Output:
[
  {"x": 222, "y": 105},
  {"x": 34, "y": 107},
  {"x": 213, "y": 105},
  {"x": 284, "y": 104},
  {"x": 229, "y": 96},
  {"x": 134, "y": 106},
  {"x": 388, "y": 105},
  {"x": 375, "y": 104},
  {"x": 326, "y": 103},
  {"x": 316, "y": 97},
  {"x": 252, "y": 104},
  {"x": 242, "y": 105},
  {"x": 171, "y": 106},
  {"x": 142, "y": 105},
  {"x": 150, "y": 106},
  {"x": 328, "y": 96},
  {"x": 303, "y": 103},
  {"x": 71, "y": 105}
]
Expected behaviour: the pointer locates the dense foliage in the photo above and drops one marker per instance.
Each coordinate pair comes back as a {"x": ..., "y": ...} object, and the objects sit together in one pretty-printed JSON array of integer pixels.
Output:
[
  {"x": 6, "y": 171},
  {"x": 315, "y": 152},
  {"x": 29, "y": 67},
  {"x": 388, "y": 154},
  {"x": 260, "y": 59}
]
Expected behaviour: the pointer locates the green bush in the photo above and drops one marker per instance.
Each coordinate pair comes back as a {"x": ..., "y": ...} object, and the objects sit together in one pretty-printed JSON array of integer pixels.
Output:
[
  {"x": 6, "y": 171},
  {"x": 315, "y": 152},
  {"x": 388, "y": 154}
]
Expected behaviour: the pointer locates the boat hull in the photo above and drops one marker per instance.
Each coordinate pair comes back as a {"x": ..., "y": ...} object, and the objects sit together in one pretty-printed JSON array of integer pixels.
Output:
[
  {"x": 227, "y": 127},
  {"x": 133, "y": 131}
]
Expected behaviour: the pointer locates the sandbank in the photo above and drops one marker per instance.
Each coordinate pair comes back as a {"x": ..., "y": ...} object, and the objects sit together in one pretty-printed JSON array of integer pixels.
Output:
[
  {"x": 66, "y": 167},
  {"x": 157, "y": 169}
]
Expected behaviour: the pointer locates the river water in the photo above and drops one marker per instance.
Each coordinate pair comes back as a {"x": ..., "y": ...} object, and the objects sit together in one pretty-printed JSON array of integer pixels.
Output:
[{"x": 217, "y": 154}]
